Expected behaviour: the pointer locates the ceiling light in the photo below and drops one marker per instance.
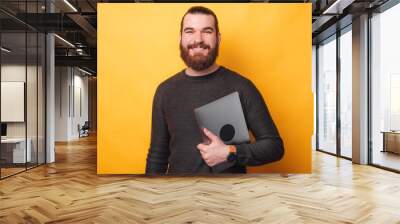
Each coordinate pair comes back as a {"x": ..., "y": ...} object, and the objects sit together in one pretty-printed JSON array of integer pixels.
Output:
[
  {"x": 338, "y": 6},
  {"x": 5, "y": 50},
  {"x": 65, "y": 41},
  {"x": 70, "y": 5},
  {"x": 84, "y": 71}
]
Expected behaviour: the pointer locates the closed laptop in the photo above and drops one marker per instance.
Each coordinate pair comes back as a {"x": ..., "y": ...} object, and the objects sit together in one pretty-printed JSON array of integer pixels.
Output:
[{"x": 224, "y": 117}]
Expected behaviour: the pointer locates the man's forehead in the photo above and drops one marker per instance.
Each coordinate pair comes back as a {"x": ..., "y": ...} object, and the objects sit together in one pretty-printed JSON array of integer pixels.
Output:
[{"x": 198, "y": 21}]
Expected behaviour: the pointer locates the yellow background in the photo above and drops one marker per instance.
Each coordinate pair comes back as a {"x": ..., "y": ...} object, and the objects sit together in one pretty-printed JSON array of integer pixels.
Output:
[{"x": 138, "y": 47}]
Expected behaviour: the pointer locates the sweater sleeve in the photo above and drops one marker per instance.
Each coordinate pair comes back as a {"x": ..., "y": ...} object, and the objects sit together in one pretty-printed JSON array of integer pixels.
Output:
[
  {"x": 157, "y": 157},
  {"x": 268, "y": 146}
]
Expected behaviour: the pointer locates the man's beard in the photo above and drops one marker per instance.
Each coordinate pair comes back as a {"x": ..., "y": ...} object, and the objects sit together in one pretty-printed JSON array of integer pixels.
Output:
[{"x": 199, "y": 62}]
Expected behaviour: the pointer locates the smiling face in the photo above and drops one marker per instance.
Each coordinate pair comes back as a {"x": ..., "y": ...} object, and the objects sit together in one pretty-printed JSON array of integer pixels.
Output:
[{"x": 199, "y": 41}]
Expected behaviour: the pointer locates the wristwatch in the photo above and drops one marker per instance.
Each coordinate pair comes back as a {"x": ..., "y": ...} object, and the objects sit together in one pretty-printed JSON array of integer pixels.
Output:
[{"x": 232, "y": 154}]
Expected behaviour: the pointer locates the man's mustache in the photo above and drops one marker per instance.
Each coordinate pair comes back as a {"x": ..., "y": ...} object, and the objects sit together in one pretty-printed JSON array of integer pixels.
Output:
[{"x": 201, "y": 45}]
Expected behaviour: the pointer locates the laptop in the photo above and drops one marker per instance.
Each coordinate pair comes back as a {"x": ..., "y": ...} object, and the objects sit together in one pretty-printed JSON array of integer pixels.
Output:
[{"x": 224, "y": 117}]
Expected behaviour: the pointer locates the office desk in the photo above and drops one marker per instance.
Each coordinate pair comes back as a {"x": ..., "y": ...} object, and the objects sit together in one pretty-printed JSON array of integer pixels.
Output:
[
  {"x": 391, "y": 141},
  {"x": 15, "y": 148}
]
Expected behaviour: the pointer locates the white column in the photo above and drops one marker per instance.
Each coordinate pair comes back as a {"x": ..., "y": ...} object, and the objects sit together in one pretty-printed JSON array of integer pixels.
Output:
[
  {"x": 360, "y": 90},
  {"x": 50, "y": 93}
]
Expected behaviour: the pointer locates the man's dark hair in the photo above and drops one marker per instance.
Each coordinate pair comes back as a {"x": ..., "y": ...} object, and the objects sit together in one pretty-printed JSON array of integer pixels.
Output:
[{"x": 201, "y": 10}]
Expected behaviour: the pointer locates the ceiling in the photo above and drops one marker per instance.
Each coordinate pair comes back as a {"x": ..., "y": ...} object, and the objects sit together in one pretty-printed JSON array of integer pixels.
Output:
[{"x": 76, "y": 22}]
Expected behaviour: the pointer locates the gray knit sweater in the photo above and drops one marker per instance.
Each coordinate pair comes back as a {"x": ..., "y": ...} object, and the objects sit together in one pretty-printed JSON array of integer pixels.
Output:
[{"x": 175, "y": 133}]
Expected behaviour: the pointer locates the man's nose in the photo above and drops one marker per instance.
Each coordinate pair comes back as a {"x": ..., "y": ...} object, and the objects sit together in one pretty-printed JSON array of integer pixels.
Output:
[{"x": 198, "y": 38}]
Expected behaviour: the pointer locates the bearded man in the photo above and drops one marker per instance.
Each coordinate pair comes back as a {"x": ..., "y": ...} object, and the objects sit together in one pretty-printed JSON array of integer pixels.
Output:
[{"x": 176, "y": 142}]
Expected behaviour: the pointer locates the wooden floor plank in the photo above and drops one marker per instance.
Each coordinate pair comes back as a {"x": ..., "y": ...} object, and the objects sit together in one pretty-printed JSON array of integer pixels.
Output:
[{"x": 70, "y": 191}]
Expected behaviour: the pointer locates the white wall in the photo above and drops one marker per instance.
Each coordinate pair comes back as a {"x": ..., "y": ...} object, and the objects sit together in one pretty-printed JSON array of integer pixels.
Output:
[
  {"x": 13, "y": 73},
  {"x": 62, "y": 81},
  {"x": 80, "y": 84},
  {"x": 71, "y": 94},
  {"x": 33, "y": 127}
]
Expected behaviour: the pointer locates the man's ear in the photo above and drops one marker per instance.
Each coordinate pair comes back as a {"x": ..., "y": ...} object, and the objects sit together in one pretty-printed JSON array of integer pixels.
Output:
[{"x": 219, "y": 38}]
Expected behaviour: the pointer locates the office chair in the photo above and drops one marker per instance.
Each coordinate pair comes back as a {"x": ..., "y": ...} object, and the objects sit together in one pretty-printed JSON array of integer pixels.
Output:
[{"x": 84, "y": 130}]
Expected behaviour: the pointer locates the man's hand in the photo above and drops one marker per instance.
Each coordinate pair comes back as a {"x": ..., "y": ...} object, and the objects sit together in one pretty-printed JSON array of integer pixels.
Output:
[{"x": 214, "y": 153}]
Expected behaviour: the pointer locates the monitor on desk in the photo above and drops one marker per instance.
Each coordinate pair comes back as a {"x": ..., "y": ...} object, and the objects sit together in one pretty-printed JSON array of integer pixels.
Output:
[{"x": 3, "y": 130}]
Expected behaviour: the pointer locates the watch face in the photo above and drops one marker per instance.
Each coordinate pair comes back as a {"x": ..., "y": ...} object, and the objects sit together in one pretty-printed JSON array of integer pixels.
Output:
[{"x": 231, "y": 157}]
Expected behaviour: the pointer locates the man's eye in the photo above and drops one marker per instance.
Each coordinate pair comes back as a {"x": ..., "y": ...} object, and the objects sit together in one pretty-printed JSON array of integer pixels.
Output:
[{"x": 189, "y": 31}]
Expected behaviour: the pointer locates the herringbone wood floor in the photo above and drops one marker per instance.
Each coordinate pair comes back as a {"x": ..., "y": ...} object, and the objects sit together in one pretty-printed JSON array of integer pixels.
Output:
[{"x": 69, "y": 191}]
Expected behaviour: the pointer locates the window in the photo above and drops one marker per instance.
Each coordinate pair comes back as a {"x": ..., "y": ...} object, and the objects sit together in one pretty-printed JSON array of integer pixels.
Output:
[
  {"x": 385, "y": 88},
  {"x": 346, "y": 93},
  {"x": 327, "y": 95}
]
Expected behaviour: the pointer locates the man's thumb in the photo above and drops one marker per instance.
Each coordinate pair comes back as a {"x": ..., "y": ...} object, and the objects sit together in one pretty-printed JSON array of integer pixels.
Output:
[{"x": 210, "y": 135}]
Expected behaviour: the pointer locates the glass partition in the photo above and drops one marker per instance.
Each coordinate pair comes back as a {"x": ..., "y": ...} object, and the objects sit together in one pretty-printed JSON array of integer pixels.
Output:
[
  {"x": 14, "y": 153},
  {"x": 22, "y": 77}
]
